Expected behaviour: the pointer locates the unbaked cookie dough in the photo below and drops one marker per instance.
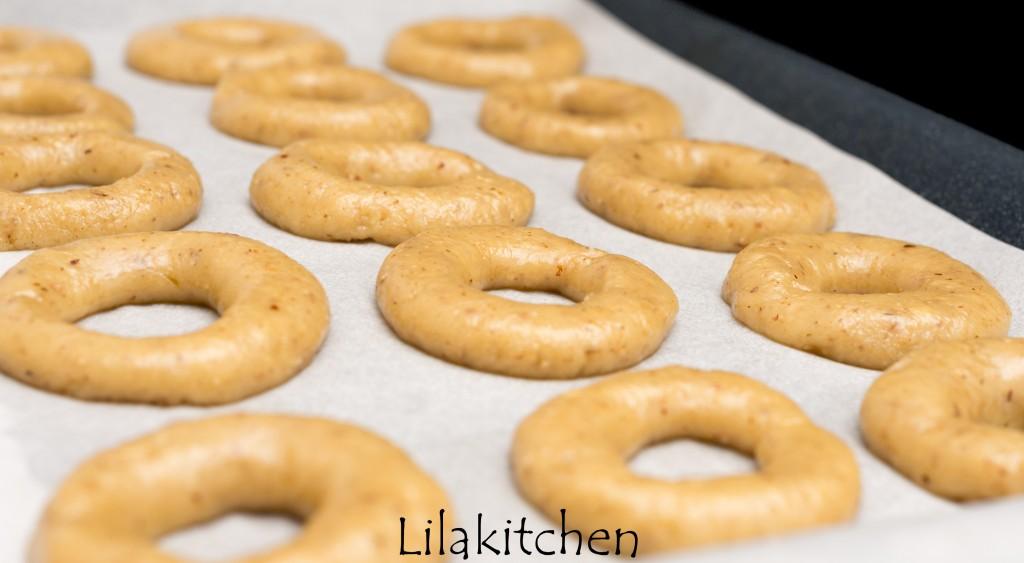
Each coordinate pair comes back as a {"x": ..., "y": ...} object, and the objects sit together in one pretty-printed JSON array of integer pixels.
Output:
[
  {"x": 432, "y": 290},
  {"x": 385, "y": 192},
  {"x": 278, "y": 106},
  {"x": 43, "y": 105},
  {"x": 349, "y": 485},
  {"x": 480, "y": 53},
  {"x": 714, "y": 196},
  {"x": 859, "y": 299},
  {"x": 273, "y": 317},
  {"x": 32, "y": 52},
  {"x": 572, "y": 454}
]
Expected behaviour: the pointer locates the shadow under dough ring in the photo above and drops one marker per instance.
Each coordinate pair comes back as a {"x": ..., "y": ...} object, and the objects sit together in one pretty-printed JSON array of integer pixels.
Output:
[
  {"x": 31, "y": 52},
  {"x": 200, "y": 51},
  {"x": 572, "y": 453},
  {"x": 715, "y": 196},
  {"x": 578, "y": 115},
  {"x": 349, "y": 485},
  {"x": 273, "y": 317},
  {"x": 859, "y": 299},
  {"x": 278, "y": 106},
  {"x": 432, "y": 290},
  {"x": 948, "y": 416},
  {"x": 386, "y": 192},
  {"x": 136, "y": 186},
  {"x": 43, "y": 105},
  {"x": 478, "y": 53}
]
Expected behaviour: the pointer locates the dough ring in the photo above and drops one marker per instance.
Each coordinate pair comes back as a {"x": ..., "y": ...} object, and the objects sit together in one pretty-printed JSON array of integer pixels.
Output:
[
  {"x": 273, "y": 317},
  {"x": 715, "y": 196},
  {"x": 859, "y": 299},
  {"x": 281, "y": 105},
  {"x": 137, "y": 186},
  {"x": 42, "y": 105},
  {"x": 576, "y": 116},
  {"x": 200, "y": 51},
  {"x": 432, "y": 290},
  {"x": 479, "y": 53},
  {"x": 948, "y": 416},
  {"x": 386, "y": 192},
  {"x": 572, "y": 453},
  {"x": 348, "y": 484},
  {"x": 25, "y": 52}
]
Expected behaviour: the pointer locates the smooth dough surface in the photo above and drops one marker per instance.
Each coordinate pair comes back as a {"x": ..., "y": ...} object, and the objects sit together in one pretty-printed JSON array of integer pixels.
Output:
[
  {"x": 573, "y": 453},
  {"x": 32, "y": 52},
  {"x": 201, "y": 51},
  {"x": 859, "y": 299},
  {"x": 44, "y": 105},
  {"x": 949, "y": 417},
  {"x": 273, "y": 317},
  {"x": 278, "y": 106},
  {"x": 577, "y": 115},
  {"x": 135, "y": 186},
  {"x": 715, "y": 196},
  {"x": 349, "y": 486},
  {"x": 480, "y": 53},
  {"x": 432, "y": 290}
]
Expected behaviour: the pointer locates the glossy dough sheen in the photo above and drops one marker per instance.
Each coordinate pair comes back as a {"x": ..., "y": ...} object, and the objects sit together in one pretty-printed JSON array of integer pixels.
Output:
[
  {"x": 42, "y": 105},
  {"x": 859, "y": 299},
  {"x": 573, "y": 453},
  {"x": 432, "y": 290},
  {"x": 578, "y": 115},
  {"x": 478, "y": 53},
  {"x": 31, "y": 52},
  {"x": 386, "y": 192},
  {"x": 715, "y": 196},
  {"x": 137, "y": 186},
  {"x": 948, "y": 416},
  {"x": 273, "y": 317},
  {"x": 349, "y": 485},
  {"x": 282, "y": 105},
  {"x": 201, "y": 51}
]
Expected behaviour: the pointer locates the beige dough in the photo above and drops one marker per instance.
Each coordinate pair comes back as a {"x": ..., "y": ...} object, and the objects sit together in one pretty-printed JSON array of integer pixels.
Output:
[
  {"x": 32, "y": 52},
  {"x": 43, "y": 105}
]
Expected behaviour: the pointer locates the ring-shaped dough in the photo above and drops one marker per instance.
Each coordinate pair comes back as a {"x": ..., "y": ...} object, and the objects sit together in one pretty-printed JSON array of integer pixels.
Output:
[
  {"x": 478, "y": 53},
  {"x": 349, "y": 485},
  {"x": 572, "y": 453},
  {"x": 949, "y": 417},
  {"x": 32, "y": 52},
  {"x": 432, "y": 290},
  {"x": 578, "y": 115},
  {"x": 273, "y": 317},
  {"x": 44, "y": 105},
  {"x": 715, "y": 196},
  {"x": 281, "y": 105},
  {"x": 386, "y": 192},
  {"x": 136, "y": 186},
  {"x": 859, "y": 299},
  {"x": 201, "y": 51}
]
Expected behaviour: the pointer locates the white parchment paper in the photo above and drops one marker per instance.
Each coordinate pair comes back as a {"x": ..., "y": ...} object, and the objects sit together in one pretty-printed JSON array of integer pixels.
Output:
[{"x": 457, "y": 423}]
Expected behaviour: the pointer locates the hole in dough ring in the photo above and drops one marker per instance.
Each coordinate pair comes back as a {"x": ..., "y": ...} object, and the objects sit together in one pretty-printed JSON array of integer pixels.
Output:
[
  {"x": 137, "y": 186},
  {"x": 348, "y": 484},
  {"x": 200, "y": 51},
  {"x": 281, "y": 105},
  {"x": 573, "y": 453},
  {"x": 432, "y": 290},
  {"x": 31, "y": 52},
  {"x": 273, "y": 317},
  {"x": 478, "y": 53},
  {"x": 859, "y": 299},
  {"x": 949, "y": 417},
  {"x": 386, "y": 192},
  {"x": 715, "y": 196},
  {"x": 44, "y": 105},
  {"x": 578, "y": 115}
]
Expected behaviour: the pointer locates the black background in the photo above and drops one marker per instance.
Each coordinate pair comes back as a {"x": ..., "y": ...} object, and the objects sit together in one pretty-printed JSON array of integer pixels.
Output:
[{"x": 963, "y": 60}]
